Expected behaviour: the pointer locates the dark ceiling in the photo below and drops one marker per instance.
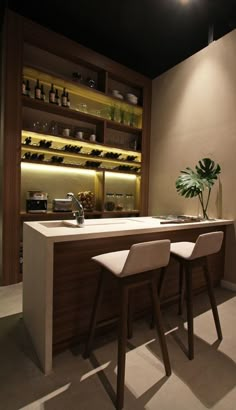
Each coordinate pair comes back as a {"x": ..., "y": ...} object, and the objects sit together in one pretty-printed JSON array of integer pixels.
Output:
[{"x": 149, "y": 36}]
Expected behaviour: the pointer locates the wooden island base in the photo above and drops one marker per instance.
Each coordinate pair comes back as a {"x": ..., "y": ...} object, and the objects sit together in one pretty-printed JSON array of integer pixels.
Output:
[{"x": 76, "y": 278}]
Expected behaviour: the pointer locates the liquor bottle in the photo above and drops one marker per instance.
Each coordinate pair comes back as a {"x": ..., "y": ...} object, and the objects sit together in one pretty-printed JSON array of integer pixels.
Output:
[
  {"x": 23, "y": 87},
  {"x": 27, "y": 88},
  {"x": 52, "y": 94},
  {"x": 64, "y": 98},
  {"x": 57, "y": 98},
  {"x": 42, "y": 93},
  {"x": 68, "y": 100},
  {"x": 37, "y": 91}
]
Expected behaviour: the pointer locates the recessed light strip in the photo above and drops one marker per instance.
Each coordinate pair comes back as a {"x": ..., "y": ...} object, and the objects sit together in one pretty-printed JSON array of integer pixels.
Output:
[{"x": 56, "y": 169}]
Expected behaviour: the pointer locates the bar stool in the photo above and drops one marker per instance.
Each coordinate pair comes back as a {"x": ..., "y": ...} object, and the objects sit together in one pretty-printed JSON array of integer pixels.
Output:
[
  {"x": 132, "y": 268},
  {"x": 190, "y": 255}
]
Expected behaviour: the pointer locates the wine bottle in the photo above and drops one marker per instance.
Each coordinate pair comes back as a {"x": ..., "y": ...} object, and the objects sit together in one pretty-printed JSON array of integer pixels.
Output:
[
  {"x": 37, "y": 91},
  {"x": 68, "y": 100},
  {"x": 52, "y": 94},
  {"x": 64, "y": 98},
  {"x": 42, "y": 93},
  {"x": 23, "y": 87},
  {"x": 27, "y": 88},
  {"x": 57, "y": 98}
]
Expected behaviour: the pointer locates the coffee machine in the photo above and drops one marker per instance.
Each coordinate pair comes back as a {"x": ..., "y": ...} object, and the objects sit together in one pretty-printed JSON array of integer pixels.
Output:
[{"x": 36, "y": 201}]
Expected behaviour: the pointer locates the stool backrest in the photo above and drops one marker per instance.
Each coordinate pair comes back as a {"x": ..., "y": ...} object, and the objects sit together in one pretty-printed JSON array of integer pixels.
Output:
[
  {"x": 146, "y": 256},
  {"x": 207, "y": 244}
]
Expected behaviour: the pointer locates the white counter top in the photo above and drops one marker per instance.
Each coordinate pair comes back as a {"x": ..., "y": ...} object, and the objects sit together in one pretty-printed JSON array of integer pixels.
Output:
[{"x": 60, "y": 231}]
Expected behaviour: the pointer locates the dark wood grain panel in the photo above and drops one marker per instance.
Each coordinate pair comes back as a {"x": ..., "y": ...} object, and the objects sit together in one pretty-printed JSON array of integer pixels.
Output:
[
  {"x": 12, "y": 78},
  {"x": 76, "y": 276}
]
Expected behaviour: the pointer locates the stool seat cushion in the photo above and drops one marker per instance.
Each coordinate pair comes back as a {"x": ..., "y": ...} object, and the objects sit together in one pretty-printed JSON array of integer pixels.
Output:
[
  {"x": 206, "y": 244},
  {"x": 113, "y": 261},
  {"x": 141, "y": 257},
  {"x": 182, "y": 249}
]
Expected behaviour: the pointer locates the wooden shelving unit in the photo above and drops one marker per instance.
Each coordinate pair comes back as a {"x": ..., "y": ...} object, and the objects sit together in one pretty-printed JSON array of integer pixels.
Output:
[{"x": 35, "y": 52}]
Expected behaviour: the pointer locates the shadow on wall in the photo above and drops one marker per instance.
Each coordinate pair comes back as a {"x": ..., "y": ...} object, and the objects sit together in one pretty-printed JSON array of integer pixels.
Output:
[
  {"x": 219, "y": 200},
  {"x": 230, "y": 259}
]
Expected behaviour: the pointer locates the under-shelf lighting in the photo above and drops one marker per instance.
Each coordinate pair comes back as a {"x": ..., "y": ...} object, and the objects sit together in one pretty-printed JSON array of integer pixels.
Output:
[
  {"x": 85, "y": 144},
  {"x": 117, "y": 175},
  {"x": 56, "y": 169}
]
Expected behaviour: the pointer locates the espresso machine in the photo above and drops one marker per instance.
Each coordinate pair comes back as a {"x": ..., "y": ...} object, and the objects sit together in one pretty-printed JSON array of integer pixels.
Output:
[{"x": 36, "y": 201}]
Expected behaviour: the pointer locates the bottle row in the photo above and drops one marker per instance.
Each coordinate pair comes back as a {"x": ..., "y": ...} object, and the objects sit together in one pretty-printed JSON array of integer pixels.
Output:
[
  {"x": 43, "y": 143},
  {"x": 35, "y": 156},
  {"x": 114, "y": 112},
  {"x": 39, "y": 93}
]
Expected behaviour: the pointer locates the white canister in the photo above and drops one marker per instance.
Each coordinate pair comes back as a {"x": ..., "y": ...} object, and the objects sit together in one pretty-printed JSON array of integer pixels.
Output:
[
  {"x": 66, "y": 132},
  {"x": 80, "y": 135},
  {"x": 92, "y": 138}
]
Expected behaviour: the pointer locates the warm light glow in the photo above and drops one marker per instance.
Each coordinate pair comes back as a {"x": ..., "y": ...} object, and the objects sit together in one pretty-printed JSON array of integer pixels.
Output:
[
  {"x": 84, "y": 144},
  {"x": 56, "y": 169},
  {"x": 117, "y": 175},
  {"x": 184, "y": 2}
]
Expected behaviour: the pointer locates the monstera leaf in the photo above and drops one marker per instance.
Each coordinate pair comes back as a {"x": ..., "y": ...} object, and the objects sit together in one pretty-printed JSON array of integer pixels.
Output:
[
  {"x": 189, "y": 184},
  {"x": 192, "y": 183},
  {"x": 207, "y": 171}
]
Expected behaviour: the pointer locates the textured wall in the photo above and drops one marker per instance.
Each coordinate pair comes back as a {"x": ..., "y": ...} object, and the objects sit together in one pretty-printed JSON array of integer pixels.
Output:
[{"x": 194, "y": 116}]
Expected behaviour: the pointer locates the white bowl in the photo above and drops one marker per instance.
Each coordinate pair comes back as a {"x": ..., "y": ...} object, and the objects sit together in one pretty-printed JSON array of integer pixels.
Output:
[{"x": 133, "y": 100}]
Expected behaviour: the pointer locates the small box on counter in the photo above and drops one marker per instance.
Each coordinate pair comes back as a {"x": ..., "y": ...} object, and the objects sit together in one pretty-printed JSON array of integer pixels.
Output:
[
  {"x": 62, "y": 205},
  {"x": 36, "y": 201}
]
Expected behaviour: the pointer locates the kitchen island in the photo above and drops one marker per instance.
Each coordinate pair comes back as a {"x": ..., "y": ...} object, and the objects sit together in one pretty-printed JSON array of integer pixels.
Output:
[{"x": 59, "y": 278}]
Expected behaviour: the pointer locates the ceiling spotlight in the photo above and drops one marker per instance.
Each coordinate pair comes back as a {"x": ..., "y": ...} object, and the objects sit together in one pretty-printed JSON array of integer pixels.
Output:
[{"x": 183, "y": 2}]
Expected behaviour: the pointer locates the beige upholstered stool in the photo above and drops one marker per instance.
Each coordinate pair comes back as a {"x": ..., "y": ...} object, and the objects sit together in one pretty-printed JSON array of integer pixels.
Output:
[
  {"x": 189, "y": 255},
  {"x": 135, "y": 267}
]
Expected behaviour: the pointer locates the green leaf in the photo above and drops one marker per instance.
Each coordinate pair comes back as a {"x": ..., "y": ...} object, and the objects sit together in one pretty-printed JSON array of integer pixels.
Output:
[
  {"x": 191, "y": 183},
  {"x": 208, "y": 171}
]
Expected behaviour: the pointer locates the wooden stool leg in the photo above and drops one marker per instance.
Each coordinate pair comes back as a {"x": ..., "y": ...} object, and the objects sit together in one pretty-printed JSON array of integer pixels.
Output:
[
  {"x": 130, "y": 314},
  {"x": 93, "y": 322},
  {"x": 160, "y": 292},
  {"x": 189, "y": 299},
  {"x": 159, "y": 326},
  {"x": 161, "y": 282},
  {"x": 181, "y": 289},
  {"x": 212, "y": 300},
  {"x": 152, "y": 323},
  {"x": 122, "y": 347}
]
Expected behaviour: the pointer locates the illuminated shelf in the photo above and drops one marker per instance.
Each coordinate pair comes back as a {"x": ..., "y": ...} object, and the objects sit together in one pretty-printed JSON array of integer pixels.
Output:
[
  {"x": 77, "y": 115},
  {"x": 79, "y": 167},
  {"x": 86, "y": 145},
  {"x": 59, "y": 110},
  {"x": 88, "y": 95},
  {"x": 69, "y": 154}
]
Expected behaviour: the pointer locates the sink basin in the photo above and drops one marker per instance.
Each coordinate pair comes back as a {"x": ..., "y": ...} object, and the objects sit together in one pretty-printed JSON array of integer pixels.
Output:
[
  {"x": 57, "y": 224},
  {"x": 72, "y": 224}
]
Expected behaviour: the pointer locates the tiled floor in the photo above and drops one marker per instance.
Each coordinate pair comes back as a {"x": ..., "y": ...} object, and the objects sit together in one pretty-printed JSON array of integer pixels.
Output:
[{"x": 207, "y": 382}]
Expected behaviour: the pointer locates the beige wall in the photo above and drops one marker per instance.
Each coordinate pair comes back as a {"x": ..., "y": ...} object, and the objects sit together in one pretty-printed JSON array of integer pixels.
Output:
[{"x": 194, "y": 116}]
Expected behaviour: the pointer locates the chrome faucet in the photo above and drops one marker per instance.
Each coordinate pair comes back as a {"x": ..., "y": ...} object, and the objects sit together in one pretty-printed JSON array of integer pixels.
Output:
[{"x": 79, "y": 211}]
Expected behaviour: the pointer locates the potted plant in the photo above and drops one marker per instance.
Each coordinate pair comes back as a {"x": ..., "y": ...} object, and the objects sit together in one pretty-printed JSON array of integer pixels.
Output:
[{"x": 191, "y": 183}]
